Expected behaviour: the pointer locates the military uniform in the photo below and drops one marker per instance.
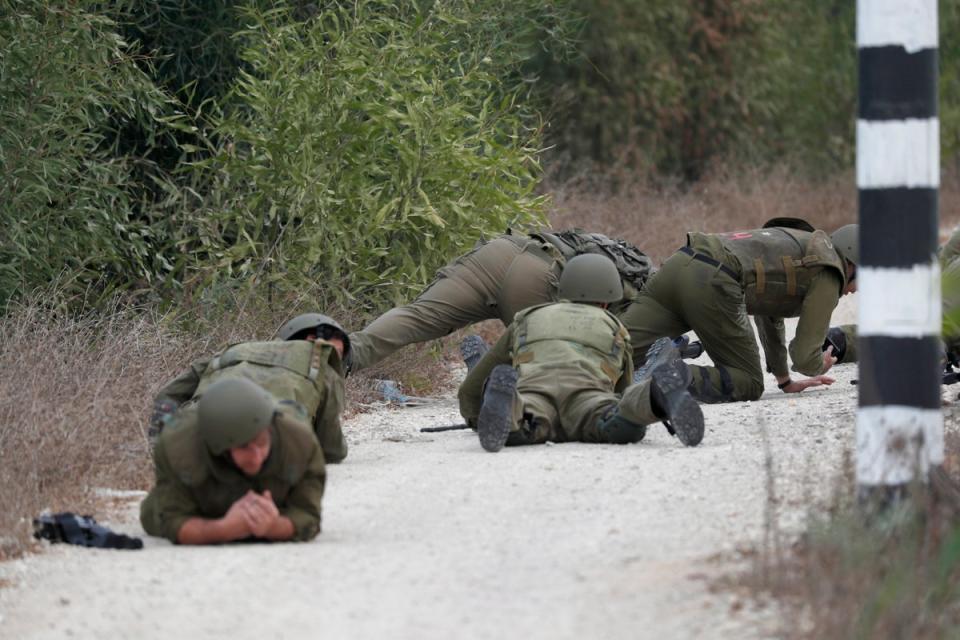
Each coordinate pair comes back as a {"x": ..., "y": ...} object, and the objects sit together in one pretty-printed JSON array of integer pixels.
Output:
[
  {"x": 496, "y": 279},
  {"x": 193, "y": 483},
  {"x": 949, "y": 259},
  {"x": 711, "y": 286},
  {"x": 575, "y": 369},
  {"x": 305, "y": 377}
]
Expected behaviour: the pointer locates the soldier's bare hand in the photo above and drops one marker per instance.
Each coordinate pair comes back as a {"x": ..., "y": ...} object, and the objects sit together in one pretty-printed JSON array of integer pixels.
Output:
[
  {"x": 261, "y": 513},
  {"x": 236, "y": 521},
  {"x": 797, "y": 386},
  {"x": 828, "y": 359}
]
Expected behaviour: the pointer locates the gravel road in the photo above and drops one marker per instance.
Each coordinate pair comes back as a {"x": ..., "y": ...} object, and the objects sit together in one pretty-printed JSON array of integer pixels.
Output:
[{"x": 428, "y": 536}]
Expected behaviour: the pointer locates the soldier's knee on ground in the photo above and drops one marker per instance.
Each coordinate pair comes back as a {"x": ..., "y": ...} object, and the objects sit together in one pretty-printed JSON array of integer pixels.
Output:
[
  {"x": 753, "y": 390},
  {"x": 711, "y": 385}
]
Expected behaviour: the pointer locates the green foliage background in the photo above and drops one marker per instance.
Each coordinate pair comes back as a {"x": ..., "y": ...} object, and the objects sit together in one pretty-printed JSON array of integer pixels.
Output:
[{"x": 356, "y": 146}]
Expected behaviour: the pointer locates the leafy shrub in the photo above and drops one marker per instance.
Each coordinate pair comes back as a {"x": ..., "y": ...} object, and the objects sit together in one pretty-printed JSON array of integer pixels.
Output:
[
  {"x": 69, "y": 201},
  {"x": 675, "y": 86},
  {"x": 369, "y": 144}
]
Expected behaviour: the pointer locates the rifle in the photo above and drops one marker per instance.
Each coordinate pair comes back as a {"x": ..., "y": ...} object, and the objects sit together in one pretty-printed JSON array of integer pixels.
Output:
[{"x": 449, "y": 427}]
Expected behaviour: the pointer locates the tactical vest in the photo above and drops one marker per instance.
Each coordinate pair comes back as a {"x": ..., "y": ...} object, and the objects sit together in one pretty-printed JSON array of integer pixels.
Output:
[
  {"x": 565, "y": 334},
  {"x": 291, "y": 370},
  {"x": 634, "y": 266},
  {"x": 779, "y": 265}
]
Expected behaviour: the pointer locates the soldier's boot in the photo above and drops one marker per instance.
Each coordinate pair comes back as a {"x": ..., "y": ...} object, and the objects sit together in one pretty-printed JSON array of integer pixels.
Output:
[
  {"x": 688, "y": 350},
  {"x": 472, "y": 349},
  {"x": 670, "y": 399},
  {"x": 495, "y": 421},
  {"x": 616, "y": 429}
]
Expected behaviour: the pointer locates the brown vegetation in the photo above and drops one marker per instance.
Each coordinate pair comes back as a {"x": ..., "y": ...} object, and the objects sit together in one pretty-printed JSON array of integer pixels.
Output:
[
  {"x": 859, "y": 572},
  {"x": 656, "y": 217}
]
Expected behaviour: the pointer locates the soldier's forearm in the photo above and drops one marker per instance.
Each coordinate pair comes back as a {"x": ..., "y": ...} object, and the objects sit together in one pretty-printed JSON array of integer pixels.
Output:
[
  {"x": 211, "y": 531},
  {"x": 281, "y": 529}
]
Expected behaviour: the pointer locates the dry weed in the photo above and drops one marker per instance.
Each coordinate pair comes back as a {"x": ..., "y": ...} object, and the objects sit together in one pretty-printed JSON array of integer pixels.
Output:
[
  {"x": 656, "y": 216},
  {"x": 857, "y": 573}
]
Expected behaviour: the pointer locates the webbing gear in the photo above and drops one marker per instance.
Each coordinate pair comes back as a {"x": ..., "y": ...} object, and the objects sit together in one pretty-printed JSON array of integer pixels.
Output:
[
  {"x": 710, "y": 261},
  {"x": 632, "y": 264},
  {"x": 81, "y": 530}
]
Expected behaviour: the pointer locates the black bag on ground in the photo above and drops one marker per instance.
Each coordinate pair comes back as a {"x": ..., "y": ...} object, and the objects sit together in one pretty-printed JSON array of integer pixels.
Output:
[{"x": 81, "y": 530}]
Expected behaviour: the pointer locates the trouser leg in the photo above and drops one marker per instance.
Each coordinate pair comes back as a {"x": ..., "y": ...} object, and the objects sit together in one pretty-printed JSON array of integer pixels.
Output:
[
  {"x": 535, "y": 421},
  {"x": 656, "y": 312},
  {"x": 464, "y": 292},
  {"x": 717, "y": 312}
]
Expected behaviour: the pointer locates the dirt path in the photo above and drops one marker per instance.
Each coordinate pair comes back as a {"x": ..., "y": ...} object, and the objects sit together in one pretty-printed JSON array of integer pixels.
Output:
[{"x": 428, "y": 536}]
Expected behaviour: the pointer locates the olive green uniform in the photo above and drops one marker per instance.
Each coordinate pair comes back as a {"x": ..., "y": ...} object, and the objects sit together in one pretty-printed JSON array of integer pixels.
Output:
[
  {"x": 304, "y": 376},
  {"x": 717, "y": 280},
  {"x": 949, "y": 259},
  {"x": 193, "y": 483},
  {"x": 574, "y": 369},
  {"x": 495, "y": 280}
]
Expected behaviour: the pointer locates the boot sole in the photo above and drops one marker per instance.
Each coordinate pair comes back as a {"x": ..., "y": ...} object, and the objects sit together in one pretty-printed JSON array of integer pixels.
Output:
[
  {"x": 496, "y": 413},
  {"x": 667, "y": 372},
  {"x": 472, "y": 349}
]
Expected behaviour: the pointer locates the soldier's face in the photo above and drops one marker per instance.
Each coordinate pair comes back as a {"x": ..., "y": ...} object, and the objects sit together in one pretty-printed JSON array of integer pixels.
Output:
[
  {"x": 250, "y": 457},
  {"x": 851, "y": 280},
  {"x": 334, "y": 340}
]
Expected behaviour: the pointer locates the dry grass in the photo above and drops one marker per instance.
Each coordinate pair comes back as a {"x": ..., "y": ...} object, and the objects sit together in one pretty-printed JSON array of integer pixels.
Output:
[
  {"x": 656, "y": 217},
  {"x": 857, "y": 573}
]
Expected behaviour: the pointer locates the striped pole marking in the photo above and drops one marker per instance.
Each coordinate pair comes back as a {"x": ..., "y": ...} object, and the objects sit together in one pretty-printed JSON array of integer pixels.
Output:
[{"x": 899, "y": 421}]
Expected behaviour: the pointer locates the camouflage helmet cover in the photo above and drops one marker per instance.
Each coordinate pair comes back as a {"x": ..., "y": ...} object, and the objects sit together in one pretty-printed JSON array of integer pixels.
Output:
[
  {"x": 309, "y": 321},
  {"x": 232, "y": 412},
  {"x": 846, "y": 242},
  {"x": 590, "y": 277}
]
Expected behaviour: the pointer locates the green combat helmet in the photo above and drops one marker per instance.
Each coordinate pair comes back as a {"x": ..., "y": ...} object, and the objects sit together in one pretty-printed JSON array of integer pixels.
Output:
[
  {"x": 305, "y": 321},
  {"x": 845, "y": 242},
  {"x": 590, "y": 278},
  {"x": 232, "y": 412}
]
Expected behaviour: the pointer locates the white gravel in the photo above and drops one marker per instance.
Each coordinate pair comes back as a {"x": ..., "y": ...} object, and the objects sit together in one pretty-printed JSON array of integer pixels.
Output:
[{"x": 428, "y": 536}]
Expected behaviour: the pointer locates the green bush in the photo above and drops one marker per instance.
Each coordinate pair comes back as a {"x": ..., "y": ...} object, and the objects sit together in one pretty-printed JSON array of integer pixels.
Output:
[
  {"x": 370, "y": 143},
  {"x": 71, "y": 205},
  {"x": 672, "y": 87}
]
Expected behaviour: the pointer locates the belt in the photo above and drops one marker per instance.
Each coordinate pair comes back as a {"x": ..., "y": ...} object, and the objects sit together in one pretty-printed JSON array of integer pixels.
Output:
[{"x": 710, "y": 261}]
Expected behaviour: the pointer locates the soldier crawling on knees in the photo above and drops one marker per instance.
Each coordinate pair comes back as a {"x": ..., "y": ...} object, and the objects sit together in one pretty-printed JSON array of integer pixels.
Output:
[
  {"x": 711, "y": 285},
  {"x": 563, "y": 371},
  {"x": 496, "y": 280},
  {"x": 235, "y": 465},
  {"x": 302, "y": 369}
]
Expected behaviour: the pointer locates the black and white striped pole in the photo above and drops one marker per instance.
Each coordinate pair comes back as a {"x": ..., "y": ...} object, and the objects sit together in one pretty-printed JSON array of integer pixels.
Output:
[{"x": 899, "y": 421}]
